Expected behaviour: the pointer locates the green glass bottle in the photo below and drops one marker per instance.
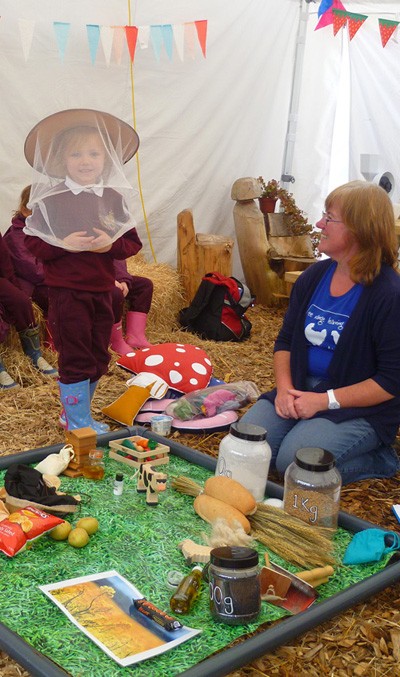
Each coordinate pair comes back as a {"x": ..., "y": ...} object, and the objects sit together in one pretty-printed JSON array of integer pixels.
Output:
[{"x": 187, "y": 591}]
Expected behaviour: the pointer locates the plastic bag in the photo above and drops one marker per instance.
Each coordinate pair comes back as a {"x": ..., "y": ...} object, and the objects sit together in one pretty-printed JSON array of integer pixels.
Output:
[{"x": 211, "y": 401}]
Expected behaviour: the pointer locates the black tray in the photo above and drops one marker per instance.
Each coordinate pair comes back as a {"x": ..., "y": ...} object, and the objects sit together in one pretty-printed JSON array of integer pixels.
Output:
[{"x": 232, "y": 658}]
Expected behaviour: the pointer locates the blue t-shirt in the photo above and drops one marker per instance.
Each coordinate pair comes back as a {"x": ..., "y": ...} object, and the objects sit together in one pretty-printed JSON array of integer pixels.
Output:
[{"x": 324, "y": 322}]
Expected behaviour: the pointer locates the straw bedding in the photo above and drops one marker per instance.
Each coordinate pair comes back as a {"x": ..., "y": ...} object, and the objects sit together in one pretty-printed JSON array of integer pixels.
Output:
[{"x": 365, "y": 640}]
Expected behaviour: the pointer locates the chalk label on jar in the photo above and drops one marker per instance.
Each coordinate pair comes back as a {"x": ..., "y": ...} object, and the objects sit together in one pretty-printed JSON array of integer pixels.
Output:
[
  {"x": 301, "y": 503},
  {"x": 222, "y": 469},
  {"x": 237, "y": 598},
  {"x": 223, "y": 604}
]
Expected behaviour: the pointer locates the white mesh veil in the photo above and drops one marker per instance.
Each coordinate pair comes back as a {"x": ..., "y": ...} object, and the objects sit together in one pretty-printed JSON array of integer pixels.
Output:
[{"x": 80, "y": 197}]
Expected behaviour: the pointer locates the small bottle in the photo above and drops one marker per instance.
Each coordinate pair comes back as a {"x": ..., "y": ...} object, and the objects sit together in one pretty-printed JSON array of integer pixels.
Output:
[
  {"x": 118, "y": 484},
  {"x": 94, "y": 469},
  {"x": 187, "y": 591}
]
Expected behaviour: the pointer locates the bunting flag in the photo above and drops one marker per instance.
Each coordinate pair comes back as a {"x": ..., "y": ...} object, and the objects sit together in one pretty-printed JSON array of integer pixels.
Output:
[
  {"x": 119, "y": 42},
  {"x": 354, "y": 23},
  {"x": 106, "y": 39},
  {"x": 168, "y": 38},
  {"x": 326, "y": 17},
  {"x": 339, "y": 20},
  {"x": 387, "y": 28},
  {"x": 189, "y": 37},
  {"x": 26, "y": 28},
  {"x": 144, "y": 36},
  {"x": 131, "y": 33},
  {"x": 93, "y": 33},
  {"x": 201, "y": 27},
  {"x": 179, "y": 39},
  {"x": 324, "y": 6},
  {"x": 156, "y": 39},
  {"x": 62, "y": 32}
]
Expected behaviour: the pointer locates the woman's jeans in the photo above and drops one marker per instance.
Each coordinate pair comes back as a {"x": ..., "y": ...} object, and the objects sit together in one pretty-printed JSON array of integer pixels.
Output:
[{"x": 358, "y": 451}]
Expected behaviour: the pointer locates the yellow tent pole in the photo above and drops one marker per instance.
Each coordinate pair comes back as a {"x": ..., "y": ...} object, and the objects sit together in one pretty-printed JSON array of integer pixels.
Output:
[{"x": 132, "y": 80}]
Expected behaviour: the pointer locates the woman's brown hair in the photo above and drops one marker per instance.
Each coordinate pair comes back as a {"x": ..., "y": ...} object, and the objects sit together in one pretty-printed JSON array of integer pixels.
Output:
[{"x": 367, "y": 211}]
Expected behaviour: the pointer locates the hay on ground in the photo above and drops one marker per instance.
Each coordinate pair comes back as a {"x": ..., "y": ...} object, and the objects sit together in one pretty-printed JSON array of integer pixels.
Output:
[{"x": 365, "y": 640}]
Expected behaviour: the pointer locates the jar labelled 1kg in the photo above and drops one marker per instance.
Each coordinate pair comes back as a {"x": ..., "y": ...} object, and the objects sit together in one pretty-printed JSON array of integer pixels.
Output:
[{"x": 312, "y": 487}]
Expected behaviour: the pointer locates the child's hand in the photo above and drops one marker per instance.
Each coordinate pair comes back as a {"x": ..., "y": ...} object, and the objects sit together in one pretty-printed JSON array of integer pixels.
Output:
[
  {"x": 102, "y": 243},
  {"x": 122, "y": 286},
  {"x": 79, "y": 240}
]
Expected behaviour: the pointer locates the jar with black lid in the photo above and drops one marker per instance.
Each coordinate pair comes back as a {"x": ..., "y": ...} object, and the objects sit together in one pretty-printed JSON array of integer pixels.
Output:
[
  {"x": 234, "y": 582},
  {"x": 244, "y": 455},
  {"x": 312, "y": 487}
]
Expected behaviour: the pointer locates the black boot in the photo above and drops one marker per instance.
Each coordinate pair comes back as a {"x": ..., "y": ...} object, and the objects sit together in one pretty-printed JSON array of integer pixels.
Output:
[{"x": 31, "y": 346}]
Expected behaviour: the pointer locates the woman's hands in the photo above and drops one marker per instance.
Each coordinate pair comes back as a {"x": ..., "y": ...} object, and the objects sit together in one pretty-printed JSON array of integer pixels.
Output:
[
  {"x": 284, "y": 404},
  {"x": 297, "y": 404},
  {"x": 306, "y": 404}
]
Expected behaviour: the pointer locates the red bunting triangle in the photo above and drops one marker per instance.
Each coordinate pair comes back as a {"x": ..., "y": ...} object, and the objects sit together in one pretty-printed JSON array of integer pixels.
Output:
[
  {"x": 131, "y": 33},
  {"x": 354, "y": 22},
  {"x": 339, "y": 19},
  {"x": 387, "y": 28},
  {"x": 201, "y": 27}
]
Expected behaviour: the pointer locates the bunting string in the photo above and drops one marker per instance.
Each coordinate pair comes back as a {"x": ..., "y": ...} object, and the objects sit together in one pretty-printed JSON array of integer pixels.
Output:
[
  {"x": 333, "y": 13},
  {"x": 165, "y": 39}
]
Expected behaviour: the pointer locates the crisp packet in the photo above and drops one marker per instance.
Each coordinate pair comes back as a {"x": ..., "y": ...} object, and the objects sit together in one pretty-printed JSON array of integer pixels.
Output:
[
  {"x": 22, "y": 526},
  {"x": 4, "y": 513}
]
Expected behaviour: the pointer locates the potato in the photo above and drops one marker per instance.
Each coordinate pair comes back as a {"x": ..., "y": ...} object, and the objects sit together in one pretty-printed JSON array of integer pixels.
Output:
[
  {"x": 78, "y": 537},
  {"x": 61, "y": 531},
  {"x": 210, "y": 509},
  {"x": 232, "y": 492},
  {"x": 89, "y": 524}
]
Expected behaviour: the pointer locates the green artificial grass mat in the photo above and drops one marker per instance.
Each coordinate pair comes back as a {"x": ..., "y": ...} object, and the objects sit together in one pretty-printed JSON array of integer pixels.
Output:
[{"x": 141, "y": 543}]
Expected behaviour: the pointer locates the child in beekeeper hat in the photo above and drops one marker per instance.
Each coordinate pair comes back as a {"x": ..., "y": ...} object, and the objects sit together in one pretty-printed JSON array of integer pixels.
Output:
[{"x": 80, "y": 223}]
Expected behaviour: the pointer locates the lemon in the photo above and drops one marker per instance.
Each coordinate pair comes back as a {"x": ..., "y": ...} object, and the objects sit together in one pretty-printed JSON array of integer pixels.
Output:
[
  {"x": 89, "y": 524},
  {"x": 78, "y": 537},
  {"x": 61, "y": 531}
]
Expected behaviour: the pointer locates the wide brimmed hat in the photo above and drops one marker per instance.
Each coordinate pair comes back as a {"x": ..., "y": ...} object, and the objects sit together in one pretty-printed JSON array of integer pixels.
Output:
[{"x": 121, "y": 135}]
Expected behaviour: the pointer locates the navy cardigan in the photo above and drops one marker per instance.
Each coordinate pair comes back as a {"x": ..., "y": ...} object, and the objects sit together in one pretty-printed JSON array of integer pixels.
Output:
[{"x": 369, "y": 347}]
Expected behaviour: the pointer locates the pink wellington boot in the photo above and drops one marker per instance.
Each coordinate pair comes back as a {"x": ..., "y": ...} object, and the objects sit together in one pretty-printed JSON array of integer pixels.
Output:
[
  {"x": 135, "y": 329},
  {"x": 117, "y": 341}
]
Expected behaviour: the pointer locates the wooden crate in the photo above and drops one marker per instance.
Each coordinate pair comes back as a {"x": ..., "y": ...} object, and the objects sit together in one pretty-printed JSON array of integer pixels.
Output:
[{"x": 157, "y": 456}]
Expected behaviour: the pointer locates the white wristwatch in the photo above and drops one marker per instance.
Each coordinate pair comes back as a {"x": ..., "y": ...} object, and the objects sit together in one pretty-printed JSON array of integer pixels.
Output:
[{"x": 333, "y": 403}]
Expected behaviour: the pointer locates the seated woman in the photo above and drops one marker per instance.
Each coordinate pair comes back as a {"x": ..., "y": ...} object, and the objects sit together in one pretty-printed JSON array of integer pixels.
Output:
[{"x": 337, "y": 355}]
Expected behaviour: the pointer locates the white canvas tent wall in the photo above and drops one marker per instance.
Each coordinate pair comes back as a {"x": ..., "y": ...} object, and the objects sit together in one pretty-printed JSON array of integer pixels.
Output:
[{"x": 204, "y": 122}]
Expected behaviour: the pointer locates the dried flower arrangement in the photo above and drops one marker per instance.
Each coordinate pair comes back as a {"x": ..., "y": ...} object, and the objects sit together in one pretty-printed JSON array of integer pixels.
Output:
[{"x": 296, "y": 219}]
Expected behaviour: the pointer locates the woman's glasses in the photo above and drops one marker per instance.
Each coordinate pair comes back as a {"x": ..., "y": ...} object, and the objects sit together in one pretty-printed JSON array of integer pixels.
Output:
[{"x": 328, "y": 219}]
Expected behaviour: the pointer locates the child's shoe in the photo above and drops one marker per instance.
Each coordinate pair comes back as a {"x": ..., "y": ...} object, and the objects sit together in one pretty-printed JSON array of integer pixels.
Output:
[{"x": 6, "y": 382}]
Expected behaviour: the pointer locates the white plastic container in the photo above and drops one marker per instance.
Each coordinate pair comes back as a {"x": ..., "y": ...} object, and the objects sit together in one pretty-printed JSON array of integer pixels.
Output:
[
  {"x": 245, "y": 456},
  {"x": 161, "y": 424}
]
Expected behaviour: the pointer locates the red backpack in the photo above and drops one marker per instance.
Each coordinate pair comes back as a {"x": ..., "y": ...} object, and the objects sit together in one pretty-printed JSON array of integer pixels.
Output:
[{"x": 217, "y": 311}]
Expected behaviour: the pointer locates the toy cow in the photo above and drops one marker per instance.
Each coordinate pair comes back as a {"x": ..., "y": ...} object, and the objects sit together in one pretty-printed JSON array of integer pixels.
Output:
[{"x": 152, "y": 482}]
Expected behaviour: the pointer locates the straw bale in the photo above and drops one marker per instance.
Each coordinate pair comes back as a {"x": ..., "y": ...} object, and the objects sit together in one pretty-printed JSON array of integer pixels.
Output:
[{"x": 28, "y": 419}]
